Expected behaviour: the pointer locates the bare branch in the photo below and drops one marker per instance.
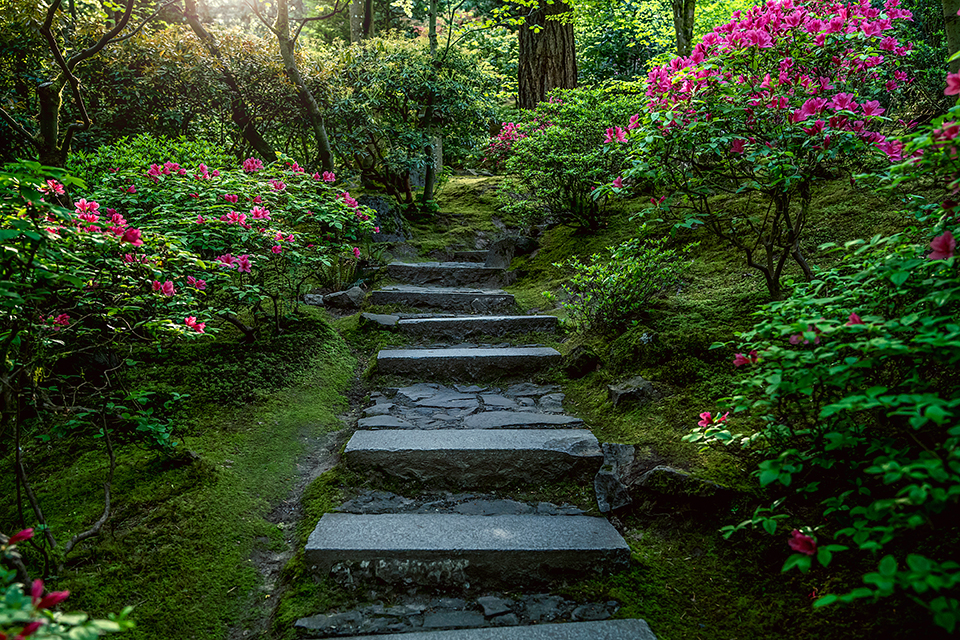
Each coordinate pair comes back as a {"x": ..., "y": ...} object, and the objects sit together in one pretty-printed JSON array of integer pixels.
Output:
[
  {"x": 98, "y": 525},
  {"x": 16, "y": 126},
  {"x": 95, "y": 48},
  {"x": 146, "y": 20},
  {"x": 255, "y": 7},
  {"x": 336, "y": 10}
]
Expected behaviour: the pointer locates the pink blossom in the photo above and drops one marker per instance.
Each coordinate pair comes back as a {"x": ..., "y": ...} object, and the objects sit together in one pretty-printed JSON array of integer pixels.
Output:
[
  {"x": 634, "y": 121},
  {"x": 278, "y": 185},
  {"x": 191, "y": 321},
  {"x": 54, "y": 187},
  {"x": 29, "y": 629},
  {"x": 376, "y": 229},
  {"x": 230, "y": 197},
  {"x": 52, "y": 599},
  {"x": 348, "y": 200},
  {"x": 706, "y": 418},
  {"x": 257, "y": 200},
  {"x": 20, "y": 536},
  {"x": 251, "y": 165},
  {"x": 167, "y": 289},
  {"x": 853, "y": 319},
  {"x": 872, "y": 108},
  {"x": 243, "y": 263},
  {"x": 740, "y": 359},
  {"x": 132, "y": 236},
  {"x": 615, "y": 134},
  {"x": 276, "y": 248},
  {"x": 738, "y": 146},
  {"x": 259, "y": 213},
  {"x": 215, "y": 173},
  {"x": 802, "y": 543},
  {"x": 618, "y": 183},
  {"x": 328, "y": 176},
  {"x": 356, "y": 252},
  {"x": 82, "y": 206},
  {"x": 227, "y": 260},
  {"x": 943, "y": 246},
  {"x": 200, "y": 220},
  {"x": 62, "y": 320},
  {"x": 196, "y": 282},
  {"x": 953, "y": 84},
  {"x": 843, "y": 101}
]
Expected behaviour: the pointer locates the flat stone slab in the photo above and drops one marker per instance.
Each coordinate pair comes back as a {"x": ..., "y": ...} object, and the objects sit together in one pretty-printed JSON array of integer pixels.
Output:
[
  {"x": 444, "y": 298},
  {"x": 468, "y": 326},
  {"x": 602, "y": 630},
  {"x": 519, "y": 420},
  {"x": 477, "y": 458},
  {"x": 470, "y": 256},
  {"x": 496, "y": 550},
  {"x": 471, "y": 364},
  {"x": 446, "y": 274}
]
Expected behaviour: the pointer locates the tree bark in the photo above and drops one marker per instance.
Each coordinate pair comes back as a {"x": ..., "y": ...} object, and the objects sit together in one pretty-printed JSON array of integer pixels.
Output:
[
  {"x": 683, "y": 21},
  {"x": 356, "y": 20},
  {"x": 307, "y": 100},
  {"x": 952, "y": 27},
  {"x": 238, "y": 109},
  {"x": 548, "y": 57}
]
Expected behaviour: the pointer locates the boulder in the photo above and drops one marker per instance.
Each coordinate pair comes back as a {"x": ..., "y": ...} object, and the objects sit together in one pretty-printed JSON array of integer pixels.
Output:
[
  {"x": 581, "y": 361},
  {"x": 313, "y": 298},
  {"x": 349, "y": 299},
  {"x": 674, "y": 482},
  {"x": 608, "y": 484},
  {"x": 500, "y": 253},
  {"x": 636, "y": 390}
]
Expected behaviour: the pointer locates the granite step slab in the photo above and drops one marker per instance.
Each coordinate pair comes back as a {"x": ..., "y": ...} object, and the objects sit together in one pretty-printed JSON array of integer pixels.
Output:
[
  {"x": 466, "y": 363},
  {"x": 470, "y": 256},
  {"x": 447, "y": 274},
  {"x": 464, "y": 300},
  {"x": 462, "y": 327},
  {"x": 519, "y": 420},
  {"x": 477, "y": 457},
  {"x": 459, "y": 551},
  {"x": 632, "y": 629}
]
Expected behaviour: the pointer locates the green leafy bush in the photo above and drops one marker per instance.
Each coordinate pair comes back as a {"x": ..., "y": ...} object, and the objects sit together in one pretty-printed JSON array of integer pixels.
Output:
[
  {"x": 606, "y": 293},
  {"x": 559, "y": 159}
]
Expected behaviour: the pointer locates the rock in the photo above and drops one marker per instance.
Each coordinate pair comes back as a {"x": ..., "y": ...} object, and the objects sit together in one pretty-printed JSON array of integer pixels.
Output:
[
  {"x": 460, "y": 363},
  {"x": 506, "y": 620},
  {"x": 530, "y": 389},
  {"x": 313, "y": 298},
  {"x": 636, "y": 390},
  {"x": 581, "y": 361},
  {"x": 393, "y": 228},
  {"x": 591, "y": 611},
  {"x": 543, "y": 608},
  {"x": 526, "y": 245},
  {"x": 552, "y": 403},
  {"x": 349, "y": 299},
  {"x": 494, "y": 606},
  {"x": 608, "y": 484},
  {"x": 378, "y": 321},
  {"x": 500, "y": 253},
  {"x": 674, "y": 482},
  {"x": 453, "y": 620}
]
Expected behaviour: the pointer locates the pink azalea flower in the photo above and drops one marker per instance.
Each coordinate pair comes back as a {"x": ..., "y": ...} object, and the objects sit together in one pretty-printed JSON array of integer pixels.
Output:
[
  {"x": 943, "y": 246},
  {"x": 259, "y": 213},
  {"x": 196, "y": 282},
  {"x": 872, "y": 108},
  {"x": 62, "y": 320},
  {"x": 251, "y": 165},
  {"x": 200, "y": 220},
  {"x": 230, "y": 197},
  {"x": 54, "y": 187},
  {"x": 278, "y": 185},
  {"x": 191, "y": 321},
  {"x": 854, "y": 319},
  {"x": 356, "y": 252},
  {"x": 953, "y": 84},
  {"x": 132, "y": 236},
  {"x": 741, "y": 359},
  {"x": 618, "y": 183},
  {"x": 215, "y": 173},
  {"x": 82, "y": 206},
  {"x": 52, "y": 599},
  {"x": 376, "y": 229},
  {"x": 20, "y": 536},
  {"x": 634, "y": 121},
  {"x": 167, "y": 289},
  {"x": 257, "y": 199},
  {"x": 243, "y": 263},
  {"x": 705, "y": 419},
  {"x": 328, "y": 176},
  {"x": 738, "y": 146},
  {"x": 615, "y": 134},
  {"x": 276, "y": 248},
  {"x": 802, "y": 543},
  {"x": 227, "y": 260}
]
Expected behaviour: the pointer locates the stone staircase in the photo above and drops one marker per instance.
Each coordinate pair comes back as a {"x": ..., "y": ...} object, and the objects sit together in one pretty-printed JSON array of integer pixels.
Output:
[{"x": 466, "y": 437}]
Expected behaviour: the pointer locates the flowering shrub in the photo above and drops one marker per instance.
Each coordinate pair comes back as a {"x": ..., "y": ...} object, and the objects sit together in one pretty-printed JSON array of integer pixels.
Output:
[
  {"x": 782, "y": 96},
  {"x": 609, "y": 291},
  {"x": 498, "y": 149},
  {"x": 29, "y": 615},
  {"x": 854, "y": 383},
  {"x": 556, "y": 158}
]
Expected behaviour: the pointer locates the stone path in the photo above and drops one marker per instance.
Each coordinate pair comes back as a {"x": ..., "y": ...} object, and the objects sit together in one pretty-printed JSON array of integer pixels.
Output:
[{"x": 474, "y": 438}]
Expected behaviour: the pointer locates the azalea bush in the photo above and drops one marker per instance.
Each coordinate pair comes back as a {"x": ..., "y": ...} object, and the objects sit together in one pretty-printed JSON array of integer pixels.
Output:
[
  {"x": 556, "y": 158},
  {"x": 782, "y": 97},
  {"x": 852, "y": 380},
  {"x": 607, "y": 292}
]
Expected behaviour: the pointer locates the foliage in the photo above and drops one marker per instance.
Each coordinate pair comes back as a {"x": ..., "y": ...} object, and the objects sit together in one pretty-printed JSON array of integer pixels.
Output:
[
  {"x": 606, "y": 293},
  {"x": 853, "y": 380},
  {"x": 31, "y": 615},
  {"x": 394, "y": 97},
  {"x": 772, "y": 103},
  {"x": 557, "y": 158}
]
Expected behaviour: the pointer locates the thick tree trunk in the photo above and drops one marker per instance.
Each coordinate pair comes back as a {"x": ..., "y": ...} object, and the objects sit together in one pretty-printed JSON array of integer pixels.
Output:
[
  {"x": 547, "y": 58},
  {"x": 952, "y": 24},
  {"x": 238, "y": 109},
  {"x": 356, "y": 20},
  {"x": 307, "y": 100},
  {"x": 368, "y": 19},
  {"x": 683, "y": 20}
]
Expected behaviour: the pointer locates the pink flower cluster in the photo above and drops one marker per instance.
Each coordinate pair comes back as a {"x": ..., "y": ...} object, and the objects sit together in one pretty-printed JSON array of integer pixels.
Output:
[
  {"x": 166, "y": 288},
  {"x": 241, "y": 263},
  {"x": 294, "y": 167},
  {"x": 251, "y": 165},
  {"x": 837, "y": 46},
  {"x": 205, "y": 174},
  {"x": 499, "y": 147},
  {"x": 278, "y": 185},
  {"x": 707, "y": 419},
  {"x": 88, "y": 212},
  {"x": 191, "y": 321},
  {"x": 168, "y": 168}
]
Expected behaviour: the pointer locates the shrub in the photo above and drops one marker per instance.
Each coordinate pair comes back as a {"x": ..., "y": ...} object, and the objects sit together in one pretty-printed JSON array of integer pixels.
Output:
[
  {"x": 853, "y": 380},
  {"x": 557, "y": 159},
  {"x": 783, "y": 96},
  {"x": 609, "y": 291}
]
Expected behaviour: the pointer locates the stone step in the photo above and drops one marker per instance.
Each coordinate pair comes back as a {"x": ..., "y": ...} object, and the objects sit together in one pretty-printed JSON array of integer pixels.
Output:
[
  {"x": 444, "y": 298},
  {"x": 447, "y": 274},
  {"x": 466, "y": 326},
  {"x": 457, "y": 551},
  {"x": 477, "y": 457},
  {"x": 460, "y": 327},
  {"x": 466, "y": 363},
  {"x": 470, "y": 256},
  {"x": 634, "y": 629}
]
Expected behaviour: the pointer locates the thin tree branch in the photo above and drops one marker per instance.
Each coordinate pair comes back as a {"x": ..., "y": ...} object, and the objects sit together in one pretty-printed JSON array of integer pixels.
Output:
[
  {"x": 336, "y": 10},
  {"x": 94, "y": 49},
  {"x": 143, "y": 24},
  {"x": 16, "y": 126},
  {"x": 98, "y": 525}
]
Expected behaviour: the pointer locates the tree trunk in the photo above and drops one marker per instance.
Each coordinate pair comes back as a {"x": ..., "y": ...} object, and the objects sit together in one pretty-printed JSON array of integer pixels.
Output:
[
  {"x": 238, "y": 109},
  {"x": 683, "y": 12},
  {"x": 356, "y": 20},
  {"x": 368, "y": 19},
  {"x": 307, "y": 100},
  {"x": 952, "y": 27},
  {"x": 547, "y": 58}
]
